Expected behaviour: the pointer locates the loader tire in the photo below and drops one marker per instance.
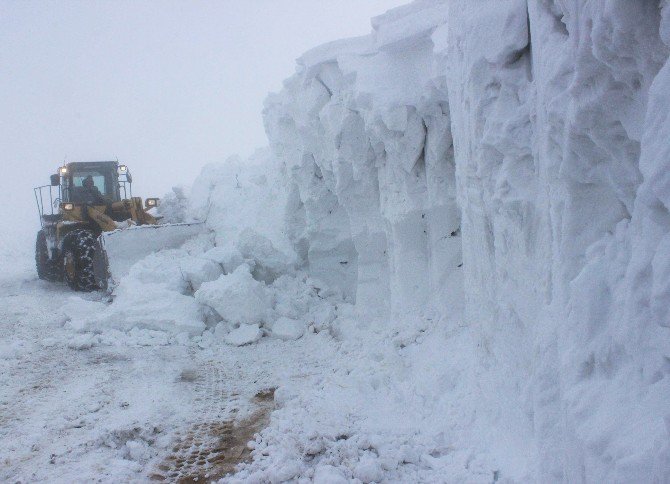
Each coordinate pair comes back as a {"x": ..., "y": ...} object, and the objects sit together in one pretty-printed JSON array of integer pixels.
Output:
[
  {"x": 48, "y": 269},
  {"x": 79, "y": 249}
]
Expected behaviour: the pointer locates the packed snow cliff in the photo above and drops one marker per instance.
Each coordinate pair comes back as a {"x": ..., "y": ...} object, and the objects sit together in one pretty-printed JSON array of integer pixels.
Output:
[
  {"x": 475, "y": 200},
  {"x": 510, "y": 158}
]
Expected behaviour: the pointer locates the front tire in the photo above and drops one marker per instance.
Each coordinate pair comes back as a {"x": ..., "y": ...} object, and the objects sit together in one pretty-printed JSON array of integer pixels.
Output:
[
  {"x": 47, "y": 269},
  {"x": 79, "y": 249}
]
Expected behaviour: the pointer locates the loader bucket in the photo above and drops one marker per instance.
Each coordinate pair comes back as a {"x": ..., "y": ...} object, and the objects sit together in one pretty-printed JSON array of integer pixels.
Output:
[{"x": 121, "y": 249}]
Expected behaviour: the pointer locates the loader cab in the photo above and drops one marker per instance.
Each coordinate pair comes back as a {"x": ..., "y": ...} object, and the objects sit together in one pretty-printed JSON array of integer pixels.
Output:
[{"x": 111, "y": 180}]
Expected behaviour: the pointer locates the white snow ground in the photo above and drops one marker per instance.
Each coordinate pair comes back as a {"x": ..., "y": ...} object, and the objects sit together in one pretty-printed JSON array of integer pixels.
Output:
[
  {"x": 451, "y": 264},
  {"x": 110, "y": 402},
  {"x": 81, "y": 408}
]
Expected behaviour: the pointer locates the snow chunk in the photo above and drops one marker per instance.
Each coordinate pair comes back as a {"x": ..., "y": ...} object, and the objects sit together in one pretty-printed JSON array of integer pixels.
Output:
[
  {"x": 137, "y": 305},
  {"x": 237, "y": 297},
  {"x": 322, "y": 315},
  {"x": 369, "y": 470},
  {"x": 228, "y": 257},
  {"x": 197, "y": 270},
  {"x": 288, "y": 329},
  {"x": 269, "y": 262},
  {"x": 244, "y": 335},
  {"x": 151, "y": 306},
  {"x": 79, "y": 312}
]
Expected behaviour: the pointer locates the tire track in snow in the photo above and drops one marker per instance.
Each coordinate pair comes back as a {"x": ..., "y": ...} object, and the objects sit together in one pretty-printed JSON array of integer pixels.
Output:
[{"x": 216, "y": 441}]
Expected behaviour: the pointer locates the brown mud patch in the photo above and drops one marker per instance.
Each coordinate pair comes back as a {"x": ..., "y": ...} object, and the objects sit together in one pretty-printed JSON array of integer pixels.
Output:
[{"x": 211, "y": 450}]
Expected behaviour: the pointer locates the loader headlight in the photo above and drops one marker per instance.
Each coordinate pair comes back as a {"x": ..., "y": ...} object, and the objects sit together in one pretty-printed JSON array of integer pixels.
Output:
[
  {"x": 67, "y": 207},
  {"x": 62, "y": 170},
  {"x": 151, "y": 202},
  {"x": 123, "y": 169}
]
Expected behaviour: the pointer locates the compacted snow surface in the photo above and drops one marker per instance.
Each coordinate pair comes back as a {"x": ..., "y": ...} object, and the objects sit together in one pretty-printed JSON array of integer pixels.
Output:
[
  {"x": 452, "y": 264},
  {"x": 127, "y": 406}
]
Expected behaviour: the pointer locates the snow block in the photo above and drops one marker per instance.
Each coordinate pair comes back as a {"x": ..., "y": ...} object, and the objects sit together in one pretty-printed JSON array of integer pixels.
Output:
[
  {"x": 197, "y": 270},
  {"x": 288, "y": 329},
  {"x": 238, "y": 298},
  {"x": 269, "y": 263},
  {"x": 228, "y": 257},
  {"x": 244, "y": 335}
]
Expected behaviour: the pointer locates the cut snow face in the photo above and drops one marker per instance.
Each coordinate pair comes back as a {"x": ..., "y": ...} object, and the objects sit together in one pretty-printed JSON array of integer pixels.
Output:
[{"x": 500, "y": 167}]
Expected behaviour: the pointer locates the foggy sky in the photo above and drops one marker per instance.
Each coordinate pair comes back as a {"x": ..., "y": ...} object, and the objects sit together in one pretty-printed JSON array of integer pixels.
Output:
[{"x": 165, "y": 87}]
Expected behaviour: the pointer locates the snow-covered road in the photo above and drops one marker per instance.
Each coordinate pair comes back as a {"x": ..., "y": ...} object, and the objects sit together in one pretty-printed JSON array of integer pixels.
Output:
[
  {"x": 137, "y": 406},
  {"x": 125, "y": 410}
]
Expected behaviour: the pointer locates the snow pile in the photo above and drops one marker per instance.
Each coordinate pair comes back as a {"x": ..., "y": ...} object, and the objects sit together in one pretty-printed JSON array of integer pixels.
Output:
[
  {"x": 242, "y": 194},
  {"x": 248, "y": 308},
  {"x": 502, "y": 165},
  {"x": 231, "y": 285},
  {"x": 173, "y": 207},
  {"x": 240, "y": 300},
  {"x": 262, "y": 290},
  {"x": 372, "y": 414},
  {"x": 154, "y": 296},
  {"x": 152, "y": 304}
]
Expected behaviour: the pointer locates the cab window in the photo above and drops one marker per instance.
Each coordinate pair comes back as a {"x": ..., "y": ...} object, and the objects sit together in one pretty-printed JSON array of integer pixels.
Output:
[
  {"x": 77, "y": 193},
  {"x": 98, "y": 180}
]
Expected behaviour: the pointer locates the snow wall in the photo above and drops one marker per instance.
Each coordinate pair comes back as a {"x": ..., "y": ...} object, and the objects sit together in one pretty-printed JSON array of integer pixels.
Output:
[{"x": 502, "y": 166}]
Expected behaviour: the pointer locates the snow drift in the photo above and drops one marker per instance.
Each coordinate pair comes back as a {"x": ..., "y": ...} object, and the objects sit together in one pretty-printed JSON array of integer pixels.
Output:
[{"x": 502, "y": 166}]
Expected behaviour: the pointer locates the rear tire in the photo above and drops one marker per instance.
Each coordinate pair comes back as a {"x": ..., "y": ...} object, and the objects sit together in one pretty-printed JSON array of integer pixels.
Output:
[
  {"x": 79, "y": 249},
  {"x": 47, "y": 269}
]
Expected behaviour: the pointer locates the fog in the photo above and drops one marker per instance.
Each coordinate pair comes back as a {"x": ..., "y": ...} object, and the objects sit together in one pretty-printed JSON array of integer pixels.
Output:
[{"x": 164, "y": 87}]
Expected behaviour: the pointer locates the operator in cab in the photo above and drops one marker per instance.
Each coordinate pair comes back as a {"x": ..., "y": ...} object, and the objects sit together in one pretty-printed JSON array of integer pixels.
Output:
[{"x": 90, "y": 193}]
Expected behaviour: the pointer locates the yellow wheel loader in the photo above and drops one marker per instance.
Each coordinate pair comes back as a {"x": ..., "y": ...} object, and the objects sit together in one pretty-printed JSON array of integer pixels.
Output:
[{"x": 93, "y": 229}]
